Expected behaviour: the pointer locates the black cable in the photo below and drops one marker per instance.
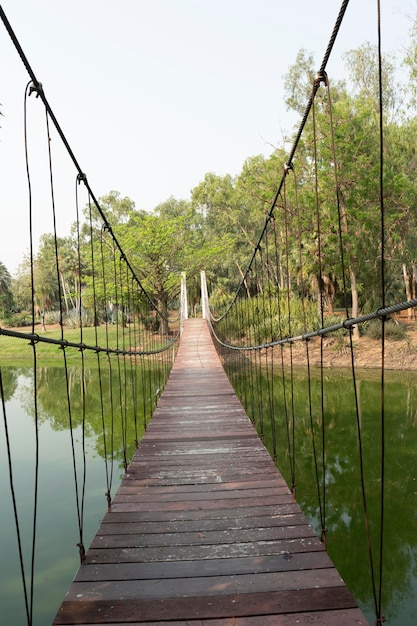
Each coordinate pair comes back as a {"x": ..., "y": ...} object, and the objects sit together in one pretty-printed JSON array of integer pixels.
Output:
[
  {"x": 15, "y": 510},
  {"x": 379, "y": 615}
]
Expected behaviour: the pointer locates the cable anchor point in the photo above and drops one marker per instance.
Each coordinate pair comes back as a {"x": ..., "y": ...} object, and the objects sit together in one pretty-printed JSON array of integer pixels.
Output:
[
  {"x": 36, "y": 88},
  {"x": 288, "y": 167},
  {"x": 321, "y": 77},
  {"x": 82, "y": 178},
  {"x": 81, "y": 550}
]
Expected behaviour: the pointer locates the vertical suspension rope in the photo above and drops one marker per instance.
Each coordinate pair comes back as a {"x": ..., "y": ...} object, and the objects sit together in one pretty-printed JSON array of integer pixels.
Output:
[
  {"x": 26, "y": 595},
  {"x": 99, "y": 368},
  {"x": 379, "y": 617},
  {"x": 319, "y": 79},
  {"x": 116, "y": 283},
  {"x": 270, "y": 370},
  {"x": 83, "y": 385},
  {"x": 109, "y": 362},
  {"x": 29, "y": 601},
  {"x": 289, "y": 328},
  {"x": 133, "y": 360}
]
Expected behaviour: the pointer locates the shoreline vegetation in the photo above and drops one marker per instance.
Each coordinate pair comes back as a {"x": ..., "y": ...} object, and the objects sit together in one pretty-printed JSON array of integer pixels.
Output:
[{"x": 400, "y": 354}]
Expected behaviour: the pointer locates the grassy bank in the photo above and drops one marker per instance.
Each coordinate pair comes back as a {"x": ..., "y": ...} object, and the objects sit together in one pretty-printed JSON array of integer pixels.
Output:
[{"x": 20, "y": 349}]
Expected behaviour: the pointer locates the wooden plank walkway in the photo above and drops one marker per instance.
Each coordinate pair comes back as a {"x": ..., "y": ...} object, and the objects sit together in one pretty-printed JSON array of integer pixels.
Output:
[{"x": 203, "y": 529}]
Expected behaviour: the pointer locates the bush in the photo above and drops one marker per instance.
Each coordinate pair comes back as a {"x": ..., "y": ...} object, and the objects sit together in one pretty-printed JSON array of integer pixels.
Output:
[
  {"x": 393, "y": 329},
  {"x": 152, "y": 323},
  {"x": 265, "y": 322},
  {"x": 16, "y": 320},
  {"x": 52, "y": 317},
  {"x": 72, "y": 320},
  {"x": 333, "y": 320}
]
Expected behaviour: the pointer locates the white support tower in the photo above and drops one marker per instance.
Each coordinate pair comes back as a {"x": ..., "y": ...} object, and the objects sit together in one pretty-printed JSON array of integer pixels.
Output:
[
  {"x": 204, "y": 296},
  {"x": 184, "y": 302}
]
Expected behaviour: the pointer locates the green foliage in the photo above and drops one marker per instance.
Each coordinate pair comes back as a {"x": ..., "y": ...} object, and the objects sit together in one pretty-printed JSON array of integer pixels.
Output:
[
  {"x": 393, "y": 329},
  {"x": 151, "y": 324},
  {"x": 257, "y": 320},
  {"x": 74, "y": 320},
  {"x": 16, "y": 320}
]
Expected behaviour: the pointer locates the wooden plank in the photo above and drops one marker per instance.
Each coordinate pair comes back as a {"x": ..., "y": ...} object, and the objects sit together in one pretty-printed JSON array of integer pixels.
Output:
[
  {"x": 341, "y": 617},
  {"x": 203, "y": 585},
  {"x": 204, "y": 607},
  {"x": 199, "y": 525},
  {"x": 202, "y": 552},
  {"x": 210, "y": 567},
  {"x": 131, "y": 540},
  {"x": 210, "y": 514},
  {"x": 204, "y": 530}
]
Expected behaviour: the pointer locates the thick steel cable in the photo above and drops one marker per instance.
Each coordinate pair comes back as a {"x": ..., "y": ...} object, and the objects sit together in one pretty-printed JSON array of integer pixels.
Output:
[{"x": 346, "y": 324}]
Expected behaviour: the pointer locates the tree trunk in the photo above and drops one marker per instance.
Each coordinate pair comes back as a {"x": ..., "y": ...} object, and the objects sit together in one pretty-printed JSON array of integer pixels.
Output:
[
  {"x": 407, "y": 284},
  {"x": 244, "y": 279},
  {"x": 64, "y": 292},
  {"x": 353, "y": 285},
  {"x": 355, "y": 302},
  {"x": 163, "y": 307}
]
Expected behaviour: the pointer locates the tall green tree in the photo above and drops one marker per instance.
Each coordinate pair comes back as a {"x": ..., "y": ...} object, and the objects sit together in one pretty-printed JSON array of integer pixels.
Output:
[
  {"x": 5, "y": 288},
  {"x": 163, "y": 244}
]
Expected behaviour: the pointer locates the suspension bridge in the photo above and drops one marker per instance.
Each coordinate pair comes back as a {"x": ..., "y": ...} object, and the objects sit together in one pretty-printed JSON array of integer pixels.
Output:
[{"x": 203, "y": 528}]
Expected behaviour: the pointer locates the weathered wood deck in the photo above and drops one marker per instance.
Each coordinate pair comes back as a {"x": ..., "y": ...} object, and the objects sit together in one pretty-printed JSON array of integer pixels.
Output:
[{"x": 203, "y": 529}]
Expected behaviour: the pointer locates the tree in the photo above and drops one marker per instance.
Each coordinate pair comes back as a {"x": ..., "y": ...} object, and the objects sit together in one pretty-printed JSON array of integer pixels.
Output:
[
  {"x": 5, "y": 288},
  {"x": 162, "y": 244},
  {"x": 347, "y": 189}
]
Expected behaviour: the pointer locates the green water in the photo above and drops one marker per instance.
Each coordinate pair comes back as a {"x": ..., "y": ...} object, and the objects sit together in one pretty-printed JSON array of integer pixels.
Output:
[
  {"x": 344, "y": 511},
  {"x": 56, "y": 556},
  {"x": 57, "y": 535}
]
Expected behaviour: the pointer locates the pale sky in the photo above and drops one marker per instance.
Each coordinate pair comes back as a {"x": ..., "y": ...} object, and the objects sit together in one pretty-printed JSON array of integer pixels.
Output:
[{"x": 153, "y": 94}]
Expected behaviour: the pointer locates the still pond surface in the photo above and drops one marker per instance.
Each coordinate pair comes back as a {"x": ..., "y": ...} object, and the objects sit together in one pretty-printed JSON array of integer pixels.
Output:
[{"x": 56, "y": 552}]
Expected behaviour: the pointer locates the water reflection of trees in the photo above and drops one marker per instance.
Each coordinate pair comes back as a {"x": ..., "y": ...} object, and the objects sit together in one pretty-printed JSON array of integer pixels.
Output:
[
  {"x": 346, "y": 538},
  {"x": 123, "y": 415},
  {"x": 10, "y": 376}
]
